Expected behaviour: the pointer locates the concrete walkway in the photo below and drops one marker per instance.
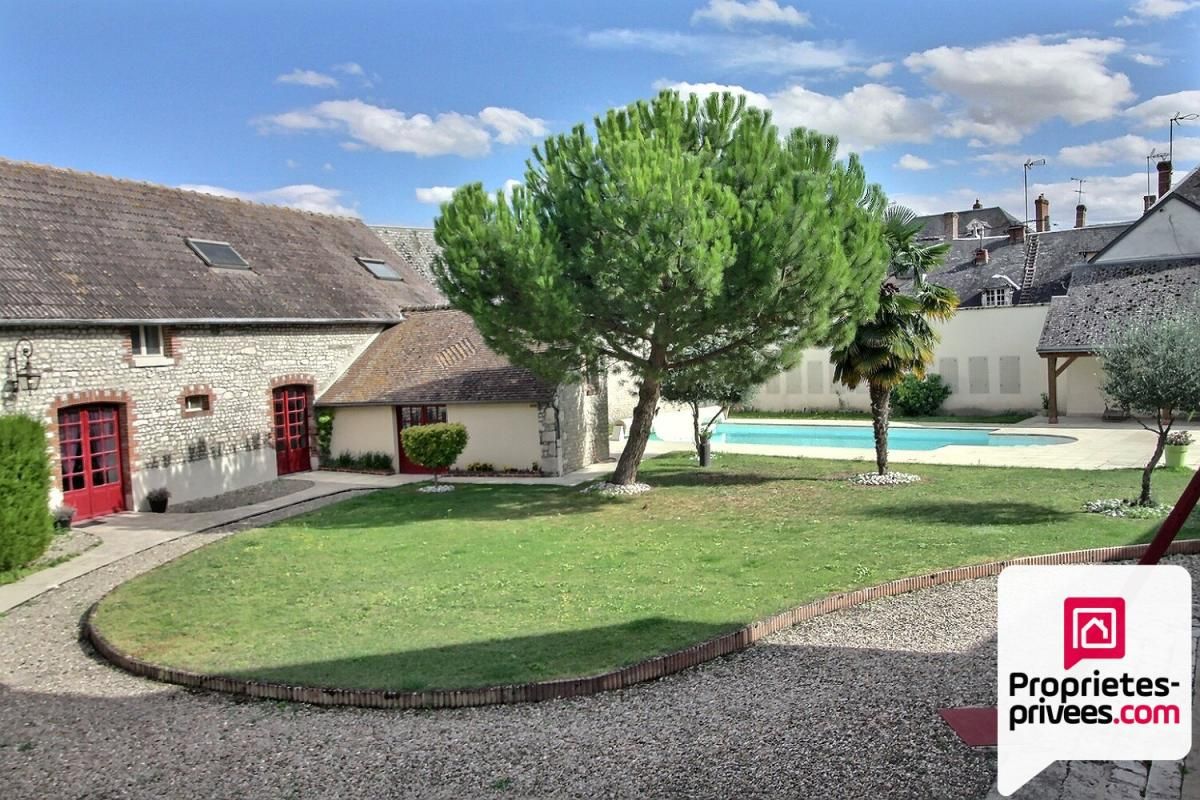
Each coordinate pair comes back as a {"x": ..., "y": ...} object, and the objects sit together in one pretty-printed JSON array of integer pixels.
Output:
[
  {"x": 131, "y": 532},
  {"x": 1096, "y": 445}
]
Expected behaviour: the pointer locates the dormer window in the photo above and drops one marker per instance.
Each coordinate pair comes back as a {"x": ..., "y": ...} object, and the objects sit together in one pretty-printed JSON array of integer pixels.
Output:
[
  {"x": 996, "y": 297},
  {"x": 217, "y": 254},
  {"x": 380, "y": 269}
]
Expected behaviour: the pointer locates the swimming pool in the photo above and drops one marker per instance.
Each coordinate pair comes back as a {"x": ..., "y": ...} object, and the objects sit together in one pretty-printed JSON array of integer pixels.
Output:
[{"x": 899, "y": 438}]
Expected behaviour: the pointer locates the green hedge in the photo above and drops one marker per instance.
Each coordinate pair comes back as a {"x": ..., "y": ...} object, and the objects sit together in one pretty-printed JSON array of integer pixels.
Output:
[
  {"x": 435, "y": 446},
  {"x": 917, "y": 397},
  {"x": 370, "y": 460},
  {"x": 25, "y": 521}
]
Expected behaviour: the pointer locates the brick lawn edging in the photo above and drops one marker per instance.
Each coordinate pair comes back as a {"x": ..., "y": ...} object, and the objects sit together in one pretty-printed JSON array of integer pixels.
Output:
[{"x": 647, "y": 670}]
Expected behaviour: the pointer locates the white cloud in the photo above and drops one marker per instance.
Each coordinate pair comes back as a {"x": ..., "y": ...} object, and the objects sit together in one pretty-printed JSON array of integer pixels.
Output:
[
  {"x": 327, "y": 167},
  {"x": 767, "y": 54},
  {"x": 914, "y": 163},
  {"x": 863, "y": 118},
  {"x": 1147, "y": 11},
  {"x": 731, "y": 12},
  {"x": 511, "y": 184},
  {"x": 1001, "y": 162},
  {"x": 308, "y": 77},
  {"x": 1128, "y": 149},
  {"x": 292, "y": 163},
  {"x": 512, "y": 126},
  {"x": 1157, "y": 111},
  {"x": 435, "y": 195},
  {"x": 349, "y": 68},
  {"x": 1147, "y": 60},
  {"x": 880, "y": 70},
  {"x": 395, "y": 131},
  {"x": 1007, "y": 88},
  {"x": 303, "y": 196}
]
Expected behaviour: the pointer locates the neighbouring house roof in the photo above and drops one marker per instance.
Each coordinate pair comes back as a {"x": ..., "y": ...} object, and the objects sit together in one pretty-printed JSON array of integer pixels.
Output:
[
  {"x": 434, "y": 356},
  {"x": 415, "y": 245},
  {"x": 1058, "y": 253},
  {"x": 994, "y": 220},
  {"x": 77, "y": 246},
  {"x": 1106, "y": 296}
]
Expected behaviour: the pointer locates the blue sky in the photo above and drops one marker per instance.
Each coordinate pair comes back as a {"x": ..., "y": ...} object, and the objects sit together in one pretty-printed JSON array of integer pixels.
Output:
[{"x": 378, "y": 109}]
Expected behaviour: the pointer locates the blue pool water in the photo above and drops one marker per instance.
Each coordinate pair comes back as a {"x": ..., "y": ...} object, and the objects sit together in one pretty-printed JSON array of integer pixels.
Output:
[{"x": 861, "y": 436}]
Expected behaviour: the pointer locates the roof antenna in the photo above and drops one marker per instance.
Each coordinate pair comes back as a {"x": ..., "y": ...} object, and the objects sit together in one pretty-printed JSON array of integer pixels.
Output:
[
  {"x": 1029, "y": 164},
  {"x": 1079, "y": 190}
]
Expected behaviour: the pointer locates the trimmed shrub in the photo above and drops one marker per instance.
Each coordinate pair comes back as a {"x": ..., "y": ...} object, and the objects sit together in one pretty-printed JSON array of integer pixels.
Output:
[
  {"x": 917, "y": 397},
  {"x": 26, "y": 524},
  {"x": 435, "y": 446},
  {"x": 364, "y": 461},
  {"x": 325, "y": 431}
]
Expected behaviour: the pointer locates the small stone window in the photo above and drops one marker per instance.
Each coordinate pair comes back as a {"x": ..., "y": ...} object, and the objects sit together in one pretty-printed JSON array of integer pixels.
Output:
[
  {"x": 147, "y": 340},
  {"x": 197, "y": 402},
  {"x": 996, "y": 297}
]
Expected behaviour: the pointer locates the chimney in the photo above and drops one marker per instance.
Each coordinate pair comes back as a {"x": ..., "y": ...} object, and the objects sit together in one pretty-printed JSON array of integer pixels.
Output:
[
  {"x": 1041, "y": 213},
  {"x": 1016, "y": 234},
  {"x": 981, "y": 257},
  {"x": 950, "y": 225},
  {"x": 1164, "y": 177},
  {"x": 978, "y": 205},
  {"x": 1080, "y": 215},
  {"x": 1147, "y": 201}
]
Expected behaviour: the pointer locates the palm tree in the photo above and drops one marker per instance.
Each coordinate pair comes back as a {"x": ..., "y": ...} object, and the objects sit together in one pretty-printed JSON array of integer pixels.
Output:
[{"x": 900, "y": 338}]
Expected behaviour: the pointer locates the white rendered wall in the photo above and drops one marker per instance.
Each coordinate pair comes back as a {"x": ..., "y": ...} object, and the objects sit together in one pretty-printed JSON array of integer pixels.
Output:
[
  {"x": 1171, "y": 229},
  {"x": 500, "y": 434},
  {"x": 365, "y": 429}
]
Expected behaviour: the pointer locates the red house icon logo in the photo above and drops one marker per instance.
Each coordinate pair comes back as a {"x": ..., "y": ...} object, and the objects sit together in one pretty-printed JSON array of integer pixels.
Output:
[{"x": 1093, "y": 627}]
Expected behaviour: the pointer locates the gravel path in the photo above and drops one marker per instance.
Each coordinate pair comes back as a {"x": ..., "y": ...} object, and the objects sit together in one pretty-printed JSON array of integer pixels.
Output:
[
  {"x": 258, "y": 493},
  {"x": 840, "y": 707}
]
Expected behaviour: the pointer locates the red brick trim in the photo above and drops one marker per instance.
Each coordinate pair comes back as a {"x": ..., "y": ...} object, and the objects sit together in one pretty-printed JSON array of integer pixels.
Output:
[
  {"x": 647, "y": 670},
  {"x": 126, "y": 416},
  {"x": 193, "y": 391}
]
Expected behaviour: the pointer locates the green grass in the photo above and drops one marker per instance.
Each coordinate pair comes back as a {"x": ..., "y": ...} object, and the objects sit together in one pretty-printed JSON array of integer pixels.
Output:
[
  {"x": 15, "y": 574},
  {"x": 1007, "y": 418},
  {"x": 501, "y": 584}
]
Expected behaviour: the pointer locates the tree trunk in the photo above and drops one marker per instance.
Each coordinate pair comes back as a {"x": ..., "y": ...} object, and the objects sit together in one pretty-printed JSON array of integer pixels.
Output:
[
  {"x": 1145, "y": 499},
  {"x": 639, "y": 432},
  {"x": 696, "y": 430},
  {"x": 881, "y": 402}
]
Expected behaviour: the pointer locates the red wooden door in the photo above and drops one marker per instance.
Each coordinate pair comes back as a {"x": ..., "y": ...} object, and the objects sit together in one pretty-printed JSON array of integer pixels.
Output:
[
  {"x": 407, "y": 417},
  {"x": 89, "y": 446},
  {"x": 291, "y": 430}
]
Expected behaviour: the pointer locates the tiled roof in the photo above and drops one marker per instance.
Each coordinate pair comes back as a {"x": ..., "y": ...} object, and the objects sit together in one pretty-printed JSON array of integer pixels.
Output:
[
  {"x": 995, "y": 221},
  {"x": 1189, "y": 186},
  {"x": 1058, "y": 253},
  {"x": 414, "y": 245},
  {"x": 434, "y": 357},
  {"x": 76, "y": 246},
  {"x": 1105, "y": 296}
]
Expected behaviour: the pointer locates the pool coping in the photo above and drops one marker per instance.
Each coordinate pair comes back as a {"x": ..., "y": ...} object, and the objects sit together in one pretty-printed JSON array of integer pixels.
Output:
[{"x": 621, "y": 678}]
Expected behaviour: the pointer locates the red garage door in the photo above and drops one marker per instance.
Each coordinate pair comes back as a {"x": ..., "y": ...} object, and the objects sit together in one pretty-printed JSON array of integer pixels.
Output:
[
  {"x": 291, "y": 430},
  {"x": 89, "y": 443}
]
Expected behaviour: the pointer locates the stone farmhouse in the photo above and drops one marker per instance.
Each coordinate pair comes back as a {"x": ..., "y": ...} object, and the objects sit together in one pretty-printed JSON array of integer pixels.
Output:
[
  {"x": 1033, "y": 302},
  {"x": 171, "y": 339}
]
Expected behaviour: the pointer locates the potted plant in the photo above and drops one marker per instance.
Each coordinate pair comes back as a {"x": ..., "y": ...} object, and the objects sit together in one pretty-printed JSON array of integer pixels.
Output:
[
  {"x": 63, "y": 515},
  {"x": 157, "y": 499},
  {"x": 1177, "y": 445}
]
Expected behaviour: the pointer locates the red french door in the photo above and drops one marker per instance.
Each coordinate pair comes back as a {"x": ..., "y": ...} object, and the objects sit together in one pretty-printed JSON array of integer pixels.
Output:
[
  {"x": 407, "y": 417},
  {"x": 89, "y": 446},
  {"x": 291, "y": 430}
]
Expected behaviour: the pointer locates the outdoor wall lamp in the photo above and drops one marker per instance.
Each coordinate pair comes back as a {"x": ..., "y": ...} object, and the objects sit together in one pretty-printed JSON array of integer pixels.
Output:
[{"x": 22, "y": 377}]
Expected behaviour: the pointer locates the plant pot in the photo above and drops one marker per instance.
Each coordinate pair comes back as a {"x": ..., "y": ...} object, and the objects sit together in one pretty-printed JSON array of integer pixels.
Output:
[
  {"x": 705, "y": 453},
  {"x": 158, "y": 505},
  {"x": 1176, "y": 454}
]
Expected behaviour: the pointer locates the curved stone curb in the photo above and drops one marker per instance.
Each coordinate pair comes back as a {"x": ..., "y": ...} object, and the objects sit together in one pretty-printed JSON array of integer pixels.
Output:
[{"x": 647, "y": 670}]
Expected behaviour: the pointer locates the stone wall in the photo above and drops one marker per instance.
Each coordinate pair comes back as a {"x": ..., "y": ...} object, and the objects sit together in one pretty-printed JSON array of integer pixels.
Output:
[
  {"x": 583, "y": 423},
  {"x": 194, "y": 454}
]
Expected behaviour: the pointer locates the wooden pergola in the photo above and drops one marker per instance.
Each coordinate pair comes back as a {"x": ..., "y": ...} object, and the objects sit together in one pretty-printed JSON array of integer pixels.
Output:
[{"x": 1053, "y": 370}]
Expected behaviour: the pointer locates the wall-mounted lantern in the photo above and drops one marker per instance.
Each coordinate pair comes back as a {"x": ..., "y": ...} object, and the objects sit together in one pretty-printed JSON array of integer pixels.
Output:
[{"x": 22, "y": 376}]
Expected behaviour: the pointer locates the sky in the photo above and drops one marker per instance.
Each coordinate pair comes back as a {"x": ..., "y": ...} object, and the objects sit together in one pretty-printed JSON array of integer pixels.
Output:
[{"x": 380, "y": 109}]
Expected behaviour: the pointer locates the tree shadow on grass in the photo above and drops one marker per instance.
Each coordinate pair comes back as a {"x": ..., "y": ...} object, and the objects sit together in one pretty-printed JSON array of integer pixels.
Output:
[
  {"x": 708, "y": 477},
  {"x": 497, "y": 662},
  {"x": 958, "y": 513}
]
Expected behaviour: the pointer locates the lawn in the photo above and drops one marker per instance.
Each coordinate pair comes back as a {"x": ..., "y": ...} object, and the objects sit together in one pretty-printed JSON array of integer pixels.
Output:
[
  {"x": 503, "y": 584},
  {"x": 1006, "y": 418}
]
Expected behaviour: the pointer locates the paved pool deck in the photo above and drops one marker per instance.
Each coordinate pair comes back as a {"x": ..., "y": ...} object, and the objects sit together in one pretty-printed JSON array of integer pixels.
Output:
[{"x": 1097, "y": 445}]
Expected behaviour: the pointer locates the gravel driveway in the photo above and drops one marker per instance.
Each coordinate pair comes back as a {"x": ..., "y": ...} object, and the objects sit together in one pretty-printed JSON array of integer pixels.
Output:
[{"x": 840, "y": 707}]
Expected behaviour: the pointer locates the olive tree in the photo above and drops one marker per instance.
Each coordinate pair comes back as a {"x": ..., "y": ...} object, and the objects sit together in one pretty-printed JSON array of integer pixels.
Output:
[
  {"x": 674, "y": 233},
  {"x": 1152, "y": 367}
]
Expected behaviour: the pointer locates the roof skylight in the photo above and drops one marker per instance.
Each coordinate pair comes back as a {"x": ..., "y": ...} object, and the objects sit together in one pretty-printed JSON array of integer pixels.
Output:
[
  {"x": 380, "y": 269},
  {"x": 217, "y": 254}
]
